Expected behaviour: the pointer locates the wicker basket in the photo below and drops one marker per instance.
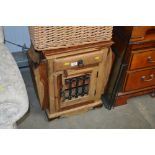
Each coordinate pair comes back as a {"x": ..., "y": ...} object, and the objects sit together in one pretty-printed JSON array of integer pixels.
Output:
[{"x": 54, "y": 37}]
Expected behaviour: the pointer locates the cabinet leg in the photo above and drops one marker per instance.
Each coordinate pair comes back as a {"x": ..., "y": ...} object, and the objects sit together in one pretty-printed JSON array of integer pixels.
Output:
[
  {"x": 121, "y": 100},
  {"x": 152, "y": 94}
]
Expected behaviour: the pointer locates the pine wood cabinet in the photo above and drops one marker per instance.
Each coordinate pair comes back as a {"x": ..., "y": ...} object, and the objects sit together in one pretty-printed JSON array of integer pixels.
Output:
[{"x": 71, "y": 80}]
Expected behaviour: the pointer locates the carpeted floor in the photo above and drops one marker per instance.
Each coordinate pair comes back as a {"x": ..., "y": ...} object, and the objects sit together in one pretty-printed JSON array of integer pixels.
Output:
[{"x": 139, "y": 113}]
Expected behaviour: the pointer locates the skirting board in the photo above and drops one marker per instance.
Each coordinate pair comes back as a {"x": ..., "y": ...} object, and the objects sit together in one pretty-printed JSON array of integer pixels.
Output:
[{"x": 21, "y": 58}]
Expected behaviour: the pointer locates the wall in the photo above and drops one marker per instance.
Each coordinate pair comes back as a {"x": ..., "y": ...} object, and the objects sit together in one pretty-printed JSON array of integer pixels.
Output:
[{"x": 18, "y": 35}]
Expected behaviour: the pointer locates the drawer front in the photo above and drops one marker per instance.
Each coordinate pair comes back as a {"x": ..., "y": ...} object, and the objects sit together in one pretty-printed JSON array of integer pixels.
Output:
[
  {"x": 139, "y": 32},
  {"x": 140, "y": 79},
  {"x": 143, "y": 59},
  {"x": 76, "y": 61}
]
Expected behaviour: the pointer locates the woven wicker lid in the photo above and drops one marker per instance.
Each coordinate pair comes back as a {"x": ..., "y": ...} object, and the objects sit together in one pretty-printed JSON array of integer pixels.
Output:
[{"x": 55, "y": 37}]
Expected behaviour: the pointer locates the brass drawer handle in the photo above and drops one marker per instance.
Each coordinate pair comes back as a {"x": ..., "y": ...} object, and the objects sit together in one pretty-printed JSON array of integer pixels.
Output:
[
  {"x": 149, "y": 60},
  {"x": 151, "y": 77}
]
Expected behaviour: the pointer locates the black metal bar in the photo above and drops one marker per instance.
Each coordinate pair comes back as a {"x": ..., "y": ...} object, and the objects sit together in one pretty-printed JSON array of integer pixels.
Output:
[
  {"x": 70, "y": 89},
  {"x": 87, "y": 86},
  {"x": 77, "y": 84},
  {"x": 83, "y": 85}
]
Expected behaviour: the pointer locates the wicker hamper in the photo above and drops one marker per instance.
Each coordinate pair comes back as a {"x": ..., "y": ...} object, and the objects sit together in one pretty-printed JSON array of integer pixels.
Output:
[{"x": 54, "y": 37}]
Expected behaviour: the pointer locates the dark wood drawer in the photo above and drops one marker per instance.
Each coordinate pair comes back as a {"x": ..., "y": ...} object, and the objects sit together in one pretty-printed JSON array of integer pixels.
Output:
[
  {"x": 141, "y": 32},
  {"x": 142, "y": 59},
  {"x": 140, "y": 79}
]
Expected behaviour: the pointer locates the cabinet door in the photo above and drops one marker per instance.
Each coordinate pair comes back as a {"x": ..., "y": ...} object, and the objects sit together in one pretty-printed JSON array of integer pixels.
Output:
[{"x": 75, "y": 87}]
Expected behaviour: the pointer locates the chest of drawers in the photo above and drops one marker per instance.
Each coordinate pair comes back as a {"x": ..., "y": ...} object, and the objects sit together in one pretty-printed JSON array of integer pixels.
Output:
[{"x": 134, "y": 69}]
